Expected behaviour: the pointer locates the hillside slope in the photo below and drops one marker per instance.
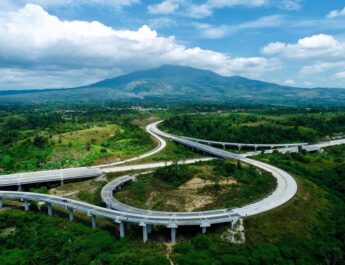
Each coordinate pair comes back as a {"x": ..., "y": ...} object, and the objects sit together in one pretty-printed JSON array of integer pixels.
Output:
[{"x": 181, "y": 84}]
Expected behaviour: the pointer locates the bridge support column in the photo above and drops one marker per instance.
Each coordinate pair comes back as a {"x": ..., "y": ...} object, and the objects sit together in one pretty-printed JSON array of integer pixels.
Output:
[
  {"x": 234, "y": 221},
  {"x": 93, "y": 221},
  {"x": 145, "y": 236},
  {"x": 122, "y": 229},
  {"x": 255, "y": 147},
  {"x": 173, "y": 234},
  {"x": 239, "y": 147},
  {"x": 173, "y": 228},
  {"x": 61, "y": 182},
  {"x": 50, "y": 209},
  {"x": 204, "y": 227},
  {"x": 149, "y": 229},
  {"x": 223, "y": 146},
  {"x": 26, "y": 205},
  {"x": 1, "y": 202},
  {"x": 70, "y": 214},
  {"x": 203, "y": 230},
  {"x": 20, "y": 188}
]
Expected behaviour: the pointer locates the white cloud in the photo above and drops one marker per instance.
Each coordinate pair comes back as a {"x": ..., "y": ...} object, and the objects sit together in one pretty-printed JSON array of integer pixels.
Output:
[
  {"x": 320, "y": 67},
  {"x": 165, "y": 7},
  {"x": 336, "y": 13},
  {"x": 215, "y": 32},
  {"x": 207, "y": 8},
  {"x": 161, "y": 22},
  {"x": 340, "y": 75},
  {"x": 211, "y": 32},
  {"x": 33, "y": 41},
  {"x": 290, "y": 82},
  {"x": 310, "y": 47},
  {"x": 5, "y": 4},
  {"x": 290, "y": 4}
]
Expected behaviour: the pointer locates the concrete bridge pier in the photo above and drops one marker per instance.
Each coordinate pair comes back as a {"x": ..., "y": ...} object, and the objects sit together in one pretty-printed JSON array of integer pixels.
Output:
[
  {"x": 173, "y": 235},
  {"x": 1, "y": 203},
  {"x": 223, "y": 146},
  {"x": 145, "y": 234},
  {"x": 255, "y": 148},
  {"x": 234, "y": 221},
  {"x": 20, "y": 188},
  {"x": 173, "y": 228},
  {"x": 122, "y": 229},
  {"x": 26, "y": 205},
  {"x": 239, "y": 147},
  {"x": 50, "y": 209},
  {"x": 204, "y": 227},
  {"x": 149, "y": 228},
  {"x": 93, "y": 221},
  {"x": 70, "y": 214}
]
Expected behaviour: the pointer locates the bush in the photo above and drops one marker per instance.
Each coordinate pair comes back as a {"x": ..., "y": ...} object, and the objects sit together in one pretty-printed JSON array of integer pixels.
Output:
[{"x": 175, "y": 174}]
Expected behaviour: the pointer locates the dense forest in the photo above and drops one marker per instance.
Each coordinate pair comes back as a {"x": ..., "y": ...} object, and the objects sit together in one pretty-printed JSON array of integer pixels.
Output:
[
  {"x": 34, "y": 238},
  {"x": 252, "y": 127}
]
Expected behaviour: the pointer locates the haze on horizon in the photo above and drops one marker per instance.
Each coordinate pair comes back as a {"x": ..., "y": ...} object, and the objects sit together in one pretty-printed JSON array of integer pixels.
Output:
[{"x": 66, "y": 43}]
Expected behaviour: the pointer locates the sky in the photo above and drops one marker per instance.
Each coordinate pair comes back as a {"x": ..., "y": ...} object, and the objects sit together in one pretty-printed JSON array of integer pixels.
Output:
[{"x": 68, "y": 43}]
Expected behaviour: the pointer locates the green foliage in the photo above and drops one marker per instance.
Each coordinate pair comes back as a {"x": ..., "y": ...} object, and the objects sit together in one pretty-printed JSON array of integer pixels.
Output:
[
  {"x": 255, "y": 128},
  {"x": 46, "y": 138},
  {"x": 38, "y": 239},
  {"x": 174, "y": 175}
]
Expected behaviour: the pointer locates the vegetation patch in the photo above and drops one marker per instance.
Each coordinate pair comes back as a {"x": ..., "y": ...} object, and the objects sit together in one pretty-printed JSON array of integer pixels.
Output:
[
  {"x": 309, "y": 229},
  {"x": 203, "y": 186},
  {"x": 49, "y": 138},
  {"x": 33, "y": 238},
  {"x": 276, "y": 127}
]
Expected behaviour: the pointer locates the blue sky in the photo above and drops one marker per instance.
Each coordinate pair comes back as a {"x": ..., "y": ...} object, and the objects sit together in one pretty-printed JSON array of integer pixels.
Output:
[{"x": 66, "y": 43}]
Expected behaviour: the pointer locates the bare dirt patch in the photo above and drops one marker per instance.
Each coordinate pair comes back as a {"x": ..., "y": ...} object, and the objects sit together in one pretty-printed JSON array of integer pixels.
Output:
[{"x": 198, "y": 183}]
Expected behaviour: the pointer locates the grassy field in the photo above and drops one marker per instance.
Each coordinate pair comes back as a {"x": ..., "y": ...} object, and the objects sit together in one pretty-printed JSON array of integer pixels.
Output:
[{"x": 54, "y": 138}]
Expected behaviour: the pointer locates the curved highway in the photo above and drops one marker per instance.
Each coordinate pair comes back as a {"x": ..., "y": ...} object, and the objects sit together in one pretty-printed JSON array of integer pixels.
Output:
[
  {"x": 286, "y": 189},
  {"x": 161, "y": 145},
  {"x": 240, "y": 145}
]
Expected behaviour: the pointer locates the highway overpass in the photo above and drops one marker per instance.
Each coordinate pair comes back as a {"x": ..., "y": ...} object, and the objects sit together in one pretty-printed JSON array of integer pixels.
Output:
[{"x": 286, "y": 189}]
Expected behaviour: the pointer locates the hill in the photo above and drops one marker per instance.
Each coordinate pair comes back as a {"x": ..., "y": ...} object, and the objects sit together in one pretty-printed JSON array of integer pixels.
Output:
[{"x": 171, "y": 83}]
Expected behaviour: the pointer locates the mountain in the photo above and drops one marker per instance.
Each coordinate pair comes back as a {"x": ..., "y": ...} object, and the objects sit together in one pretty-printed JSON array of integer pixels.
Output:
[{"x": 171, "y": 83}]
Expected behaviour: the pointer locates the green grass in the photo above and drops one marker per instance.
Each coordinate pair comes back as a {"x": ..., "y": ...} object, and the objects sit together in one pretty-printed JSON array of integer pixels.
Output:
[
  {"x": 95, "y": 145},
  {"x": 172, "y": 152}
]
